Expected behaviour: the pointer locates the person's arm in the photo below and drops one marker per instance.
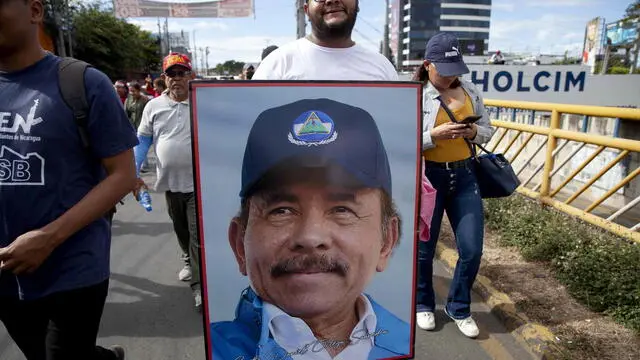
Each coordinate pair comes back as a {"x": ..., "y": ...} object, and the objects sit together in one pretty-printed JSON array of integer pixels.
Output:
[
  {"x": 140, "y": 151},
  {"x": 27, "y": 252},
  {"x": 112, "y": 139},
  {"x": 484, "y": 129},
  {"x": 427, "y": 140},
  {"x": 446, "y": 131},
  {"x": 103, "y": 197},
  {"x": 428, "y": 120},
  {"x": 145, "y": 137},
  {"x": 391, "y": 74}
]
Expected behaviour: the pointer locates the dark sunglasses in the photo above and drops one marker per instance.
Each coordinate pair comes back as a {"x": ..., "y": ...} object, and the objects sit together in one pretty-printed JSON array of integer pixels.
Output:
[{"x": 175, "y": 73}]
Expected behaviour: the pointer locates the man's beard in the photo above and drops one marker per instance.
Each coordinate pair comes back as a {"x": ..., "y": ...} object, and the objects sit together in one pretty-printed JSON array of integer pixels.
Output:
[{"x": 325, "y": 32}]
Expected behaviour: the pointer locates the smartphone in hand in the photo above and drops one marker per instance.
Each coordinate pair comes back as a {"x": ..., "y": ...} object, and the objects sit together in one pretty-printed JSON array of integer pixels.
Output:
[{"x": 471, "y": 119}]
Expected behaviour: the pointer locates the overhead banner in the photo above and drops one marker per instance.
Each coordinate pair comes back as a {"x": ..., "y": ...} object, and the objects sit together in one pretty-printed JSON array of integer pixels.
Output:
[
  {"x": 184, "y": 9},
  {"x": 307, "y": 204}
]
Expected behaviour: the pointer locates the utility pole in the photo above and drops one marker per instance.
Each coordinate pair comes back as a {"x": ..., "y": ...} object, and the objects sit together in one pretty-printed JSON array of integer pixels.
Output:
[
  {"x": 69, "y": 27},
  {"x": 161, "y": 39},
  {"x": 301, "y": 20},
  {"x": 385, "y": 40},
  {"x": 166, "y": 34},
  {"x": 58, "y": 14},
  {"x": 195, "y": 51},
  {"x": 607, "y": 54},
  {"x": 202, "y": 59},
  {"x": 206, "y": 61}
]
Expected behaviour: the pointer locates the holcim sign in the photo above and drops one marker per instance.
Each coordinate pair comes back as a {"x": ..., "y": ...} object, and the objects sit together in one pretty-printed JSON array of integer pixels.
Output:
[
  {"x": 565, "y": 84},
  {"x": 556, "y": 84}
]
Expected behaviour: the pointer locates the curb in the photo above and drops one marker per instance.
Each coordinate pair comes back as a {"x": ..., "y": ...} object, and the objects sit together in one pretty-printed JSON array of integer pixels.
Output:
[{"x": 536, "y": 338}]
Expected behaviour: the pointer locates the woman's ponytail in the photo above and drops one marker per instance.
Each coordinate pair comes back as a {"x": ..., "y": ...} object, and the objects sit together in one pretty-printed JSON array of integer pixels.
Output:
[{"x": 421, "y": 74}]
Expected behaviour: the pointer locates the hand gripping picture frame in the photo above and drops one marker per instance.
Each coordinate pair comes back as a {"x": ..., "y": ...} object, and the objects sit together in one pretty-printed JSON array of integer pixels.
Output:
[{"x": 308, "y": 195}]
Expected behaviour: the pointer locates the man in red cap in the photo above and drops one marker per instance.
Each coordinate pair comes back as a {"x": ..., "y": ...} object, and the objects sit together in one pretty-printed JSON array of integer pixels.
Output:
[{"x": 165, "y": 123}]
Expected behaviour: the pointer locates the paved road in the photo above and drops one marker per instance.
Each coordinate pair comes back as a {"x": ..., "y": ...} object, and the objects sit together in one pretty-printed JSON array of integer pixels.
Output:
[{"x": 150, "y": 312}]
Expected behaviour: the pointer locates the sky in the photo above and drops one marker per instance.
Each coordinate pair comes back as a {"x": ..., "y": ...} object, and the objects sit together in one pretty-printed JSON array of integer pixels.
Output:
[{"x": 534, "y": 26}]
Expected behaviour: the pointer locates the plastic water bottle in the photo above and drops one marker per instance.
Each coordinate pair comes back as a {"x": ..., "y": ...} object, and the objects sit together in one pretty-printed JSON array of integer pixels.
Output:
[{"x": 145, "y": 200}]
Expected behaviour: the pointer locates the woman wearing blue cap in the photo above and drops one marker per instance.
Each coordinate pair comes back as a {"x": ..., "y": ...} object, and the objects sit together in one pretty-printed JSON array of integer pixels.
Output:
[{"x": 446, "y": 145}]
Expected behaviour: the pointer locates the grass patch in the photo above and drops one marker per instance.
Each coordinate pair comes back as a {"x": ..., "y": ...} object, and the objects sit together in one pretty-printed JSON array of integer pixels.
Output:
[{"x": 599, "y": 269}]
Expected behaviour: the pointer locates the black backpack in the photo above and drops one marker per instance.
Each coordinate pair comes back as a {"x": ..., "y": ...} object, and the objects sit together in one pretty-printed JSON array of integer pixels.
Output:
[
  {"x": 72, "y": 87},
  {"x": 71, "y": 74}
]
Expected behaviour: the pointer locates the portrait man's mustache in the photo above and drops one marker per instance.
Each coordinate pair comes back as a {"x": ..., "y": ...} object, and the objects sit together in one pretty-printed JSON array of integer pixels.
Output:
[{"x": 309, "y": 264}]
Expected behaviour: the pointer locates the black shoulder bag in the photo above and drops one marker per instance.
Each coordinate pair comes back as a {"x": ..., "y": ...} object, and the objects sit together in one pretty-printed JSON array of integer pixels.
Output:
[{"x": 494, "y": 173}]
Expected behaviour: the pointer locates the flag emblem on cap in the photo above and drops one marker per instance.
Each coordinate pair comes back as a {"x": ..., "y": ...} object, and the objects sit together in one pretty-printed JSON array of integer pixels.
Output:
[{"x": 313, "y": 128}]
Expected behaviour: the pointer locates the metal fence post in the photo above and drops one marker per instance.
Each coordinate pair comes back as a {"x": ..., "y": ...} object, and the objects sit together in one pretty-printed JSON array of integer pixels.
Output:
[{"x": 551, "y": 146}]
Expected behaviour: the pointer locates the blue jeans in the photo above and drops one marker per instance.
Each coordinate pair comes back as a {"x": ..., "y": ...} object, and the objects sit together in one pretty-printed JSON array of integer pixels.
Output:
[{"x": 458, "y": 195}]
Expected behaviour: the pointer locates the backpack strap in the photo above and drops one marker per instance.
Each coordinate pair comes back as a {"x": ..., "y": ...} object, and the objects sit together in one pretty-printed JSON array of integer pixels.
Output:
[
  {"x": 71, "y": 74},
  {"x": 72, "y": 87}
]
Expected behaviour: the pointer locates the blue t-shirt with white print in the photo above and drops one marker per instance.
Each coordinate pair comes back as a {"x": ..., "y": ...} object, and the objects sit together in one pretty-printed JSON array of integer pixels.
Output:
[{"x": 45, "y": 170}]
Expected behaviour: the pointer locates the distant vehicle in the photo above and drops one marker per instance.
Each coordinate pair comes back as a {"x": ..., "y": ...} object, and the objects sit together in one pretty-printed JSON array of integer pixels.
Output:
[
  {"x": 218, "y": 77},
  {"x": 529, "y": 60}
]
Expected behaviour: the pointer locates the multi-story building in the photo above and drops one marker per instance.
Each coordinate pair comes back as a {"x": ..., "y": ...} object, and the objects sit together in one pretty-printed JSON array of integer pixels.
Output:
[{"x": 413, "y": 22}]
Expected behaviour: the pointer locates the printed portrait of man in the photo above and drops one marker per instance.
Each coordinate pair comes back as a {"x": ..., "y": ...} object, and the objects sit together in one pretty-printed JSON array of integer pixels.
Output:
[{"x": 316, "y": 222}]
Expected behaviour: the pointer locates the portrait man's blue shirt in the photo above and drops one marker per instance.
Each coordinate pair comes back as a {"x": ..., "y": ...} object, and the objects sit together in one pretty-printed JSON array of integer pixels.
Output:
[{"x": 248, "y": 337}]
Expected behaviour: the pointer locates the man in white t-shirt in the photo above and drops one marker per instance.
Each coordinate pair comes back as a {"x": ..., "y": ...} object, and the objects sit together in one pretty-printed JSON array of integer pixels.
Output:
[{"x": 328, "y": 53}]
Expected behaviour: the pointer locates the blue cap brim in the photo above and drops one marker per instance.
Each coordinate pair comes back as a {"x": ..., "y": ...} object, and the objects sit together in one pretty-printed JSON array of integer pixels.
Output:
[
  {"x": 297, "y": 169},
  {"x": 451, "y": 69}
]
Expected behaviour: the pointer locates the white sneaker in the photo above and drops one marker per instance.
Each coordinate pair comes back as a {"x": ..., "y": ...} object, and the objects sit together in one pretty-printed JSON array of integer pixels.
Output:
[
  {"x": 466, "y": 326},
  {"x": 426, "y": 320},
  {"x": 197, "y": 297},
  {"x": 185, "y": 273}
]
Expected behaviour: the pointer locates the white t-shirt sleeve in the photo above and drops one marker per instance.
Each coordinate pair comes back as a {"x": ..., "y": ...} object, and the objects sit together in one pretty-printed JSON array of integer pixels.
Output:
[
  {"x": 392, "y": 73},
  {"x": 270, "y": 68}
]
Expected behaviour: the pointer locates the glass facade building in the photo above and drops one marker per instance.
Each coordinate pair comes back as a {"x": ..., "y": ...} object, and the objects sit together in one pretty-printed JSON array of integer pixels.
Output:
[{"x": 418, "y": 20}]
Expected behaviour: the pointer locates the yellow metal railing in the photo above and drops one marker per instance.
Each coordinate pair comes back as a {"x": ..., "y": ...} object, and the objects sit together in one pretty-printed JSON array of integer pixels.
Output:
[{"x": 553, "y": 189}]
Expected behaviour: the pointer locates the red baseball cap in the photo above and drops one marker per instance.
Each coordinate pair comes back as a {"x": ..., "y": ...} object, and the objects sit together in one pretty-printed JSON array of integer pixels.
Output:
[{"x": 174, "y": 59}]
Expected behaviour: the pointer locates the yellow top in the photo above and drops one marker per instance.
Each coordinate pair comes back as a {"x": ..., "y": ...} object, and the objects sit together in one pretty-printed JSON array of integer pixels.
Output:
[{"x": 449, "y": 150}]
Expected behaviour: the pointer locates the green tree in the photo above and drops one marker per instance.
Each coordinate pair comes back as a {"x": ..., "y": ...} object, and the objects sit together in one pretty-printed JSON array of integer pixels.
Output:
[
  {"x": 113, "y": 45},
  {"x": 231, "y": 67},
  {"x": 633, "y": 11},
  {"x": 56, "y": 20},
  {"x": 110, "y": 44}
]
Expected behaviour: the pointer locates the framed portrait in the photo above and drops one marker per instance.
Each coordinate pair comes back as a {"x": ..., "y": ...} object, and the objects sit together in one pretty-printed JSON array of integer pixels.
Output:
[{"x": 308, "y": 194}]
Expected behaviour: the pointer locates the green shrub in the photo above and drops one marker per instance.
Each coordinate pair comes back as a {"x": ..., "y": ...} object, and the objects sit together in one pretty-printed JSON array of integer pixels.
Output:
[
  {"x": 598, "y": 268},
  {"x": 618, "y": 70}
]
